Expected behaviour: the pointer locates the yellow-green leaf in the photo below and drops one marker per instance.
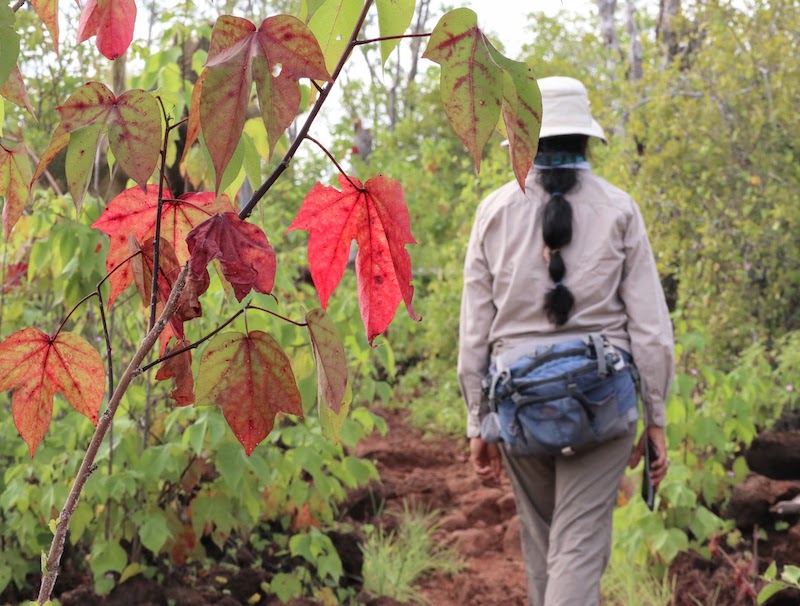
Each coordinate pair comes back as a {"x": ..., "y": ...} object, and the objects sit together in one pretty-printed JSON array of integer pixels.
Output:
[
  {"x": 394, "y": 17},
  {"x": 15, "y": 175},
  {"x": 330, "y": 357},
  {"x": 333, "y": 24},
  {"x": 471, "y": 82}
]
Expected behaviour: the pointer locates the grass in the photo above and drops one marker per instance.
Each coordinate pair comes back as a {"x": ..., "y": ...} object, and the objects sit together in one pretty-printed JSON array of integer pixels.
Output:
[
  {"x": 395, "y": 562},
  {"x": 624, "y": 584}
]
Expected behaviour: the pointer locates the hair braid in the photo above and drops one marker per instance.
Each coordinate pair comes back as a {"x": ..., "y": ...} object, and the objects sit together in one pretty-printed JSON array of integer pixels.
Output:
[{"x": 557, "y": 222}]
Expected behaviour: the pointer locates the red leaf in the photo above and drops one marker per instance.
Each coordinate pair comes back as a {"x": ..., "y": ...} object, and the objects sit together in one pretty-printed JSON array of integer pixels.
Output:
[
  {"x": 251, "y": 378},
  {"x": 112, "y": 21},
  {"x": 245, "y": 254},
  {"x": 38, "y": 366},
  {"x": 14, "y": 273},
  {"x": 376, "y": 217},
  {"x": 330, "y": 356},
  {"x": 134, "y": 212},
  {"x": 179, "y": 368},
  {"x": 238, "y": 53}
]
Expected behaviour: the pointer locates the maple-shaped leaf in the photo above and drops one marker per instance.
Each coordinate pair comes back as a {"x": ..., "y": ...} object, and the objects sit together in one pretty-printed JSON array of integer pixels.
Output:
[
  {"x": 275, "y": 55},
  {"x": 179, "y": 368},
  {"x": 15, "y": 174},
  {"x": 112, "y": 21},
  {"x": 37, "y": 366},
  {"x": 522, "y": 112},
  {"x": 375, "y": 215},
  {"x": 251, "y": 378},
  {"x": 245, "y": 255},
  {"x": 14, "y": 90},
  {"x": 471, "y": 82},
  {"x": 134, "y": 212},
  {"x": 193, "y": 124},
  {"x": 133, "y": 123},
  {"x": 48, "y": 13},
  {"x": 331, "y": 361}
]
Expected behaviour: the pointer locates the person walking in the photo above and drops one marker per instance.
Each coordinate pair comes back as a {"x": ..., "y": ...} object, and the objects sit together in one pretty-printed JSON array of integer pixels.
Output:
[{"x": 566, "y": 258}]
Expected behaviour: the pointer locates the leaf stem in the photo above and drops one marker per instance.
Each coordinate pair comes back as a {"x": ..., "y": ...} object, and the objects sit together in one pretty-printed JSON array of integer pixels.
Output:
[
  {"x": 73, "y": 310},
  {"x": 50, "y": 572},
  {"x": 332, "y": 159},
  {"x": 117, "y": 266},
  {"x": 284, "y": 164},
  {"x": 18, "y": 5},
  {"x": 157, "y": 238},
  {"x": 277, "y": 315}
]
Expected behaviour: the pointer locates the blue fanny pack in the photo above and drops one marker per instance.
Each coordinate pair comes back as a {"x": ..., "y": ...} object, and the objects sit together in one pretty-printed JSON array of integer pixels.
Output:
[{"x": 560, "y": 399}]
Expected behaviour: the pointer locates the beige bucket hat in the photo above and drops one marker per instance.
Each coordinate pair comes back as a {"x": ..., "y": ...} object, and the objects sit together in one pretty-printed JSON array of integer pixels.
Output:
[{"x": 565, "y": 109}]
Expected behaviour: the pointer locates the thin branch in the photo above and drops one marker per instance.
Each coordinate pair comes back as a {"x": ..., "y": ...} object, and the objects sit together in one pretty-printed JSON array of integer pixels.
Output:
[
  {"x": 50, "y": 571},
  {"x": 48, "y": 175},
  {"x": 72, "y": 311},
  {"x": 401, "y": 37},
  {"x": 332, "y": 159},
  {"x": 18, "y": 5},
  {"x": 189, "y": 347},
  {"x": 157, "y": 238},
  {"x": 284, "y": 164},
  {"x": 117, "y": 266},
  {"x": 277, "y": 315}
]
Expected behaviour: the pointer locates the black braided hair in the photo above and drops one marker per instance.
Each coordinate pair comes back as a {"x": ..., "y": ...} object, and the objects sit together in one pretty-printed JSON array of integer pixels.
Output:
[{"x": 557, "y": 217}]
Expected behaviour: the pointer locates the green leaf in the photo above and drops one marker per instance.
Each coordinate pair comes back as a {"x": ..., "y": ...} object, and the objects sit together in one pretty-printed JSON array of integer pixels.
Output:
[
  {"x": 333, "y": 24},
  {"x": 80, "y": 160},
  {"x": 768, "y": 591},
  {"x": 286, "y": 586},
  {"x": 522, "y": 112},
  {"x": 771, "y": 572},
  {"x": 154, "y": 532},
  {"x": 251, "y": 161},
  {"x": 15, "y": 175},
  {"x": 394, "y": 17},
  {"x": 471, "y": 82},
  {"x": 791, "y": 574},
  {"x": 107, "y": 557},
  {"x": 9, "y": 43}
]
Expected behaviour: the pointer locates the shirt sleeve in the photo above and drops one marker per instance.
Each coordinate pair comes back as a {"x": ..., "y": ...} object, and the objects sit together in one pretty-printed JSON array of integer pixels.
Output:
[
  {"x": 649, "y": 324},
  {"x": 477, "y": 313}
]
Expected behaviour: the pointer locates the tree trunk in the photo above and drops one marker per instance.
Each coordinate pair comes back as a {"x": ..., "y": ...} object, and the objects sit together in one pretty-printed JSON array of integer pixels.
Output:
[
  {"x": 668, "y": 10},
  {"x": 635, "y": 48},
  {"x": 606, "y": 10}
]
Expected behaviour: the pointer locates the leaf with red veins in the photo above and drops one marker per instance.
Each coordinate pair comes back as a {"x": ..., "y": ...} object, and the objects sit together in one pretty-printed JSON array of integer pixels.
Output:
[
  {"x": 245, "y": 255},
  {"x": 375, "y": 215},
  {"x": 330, "y": 357},
  {"x": 522, "y": 112},
  {"x": 193, "y": 124},
  {"x": 112, "y": 21},
  {"x": 179, "y": 368},
  {"x": 226, "y": 89},
  {"x": 471, "y": 82},
  {"x": 279, "y": 98},
  {"x": 251, "y": 378},
  {"x": 134, "y": 132},
  {"x": 37, "y": 366},
  {"x": 134, "y": 212},
  {"x": 15, "y": 175},
  {"x": 14, "y": 90},
  {"x": 239, "y": 52},
  {"x": 48, "y": 13}
]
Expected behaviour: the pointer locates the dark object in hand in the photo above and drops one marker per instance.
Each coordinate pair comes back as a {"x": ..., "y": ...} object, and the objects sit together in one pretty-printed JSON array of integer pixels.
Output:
[{"x": 648, "y": 490}]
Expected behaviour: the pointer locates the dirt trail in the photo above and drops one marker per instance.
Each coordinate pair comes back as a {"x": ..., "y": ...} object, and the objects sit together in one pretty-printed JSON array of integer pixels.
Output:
[{"x": 480, "y": 520}]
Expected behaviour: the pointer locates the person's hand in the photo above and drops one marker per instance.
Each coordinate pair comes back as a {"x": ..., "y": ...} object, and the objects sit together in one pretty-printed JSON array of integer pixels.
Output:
[
  {"x": 658, "y": 468},
  {"x": 485, "y": 459}
]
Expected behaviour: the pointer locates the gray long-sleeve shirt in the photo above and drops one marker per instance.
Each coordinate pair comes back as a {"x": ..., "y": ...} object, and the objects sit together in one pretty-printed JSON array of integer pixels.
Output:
[{"x": 610, "y": 271}]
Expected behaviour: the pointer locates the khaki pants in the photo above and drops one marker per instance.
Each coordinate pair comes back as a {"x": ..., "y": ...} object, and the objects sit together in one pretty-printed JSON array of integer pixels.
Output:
[{"x": 565, "y": 505}]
